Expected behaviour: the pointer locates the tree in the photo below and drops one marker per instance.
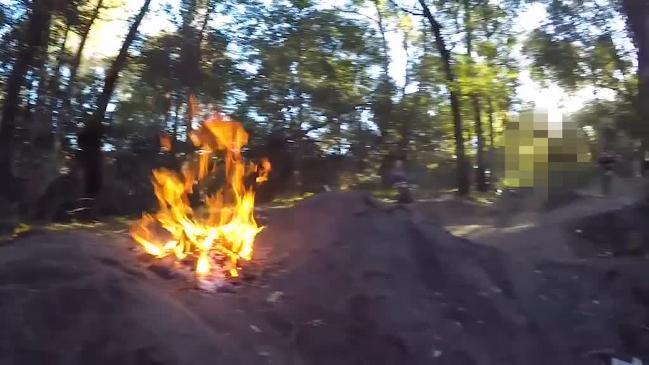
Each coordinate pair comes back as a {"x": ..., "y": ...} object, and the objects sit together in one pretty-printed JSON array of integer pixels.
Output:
[
  {"x": 34, "y": 40},
  {"x": 90, "y": 138},
  {"x": 382, "y": 100},
  {"x": 453, "y": 94},
  {"x": 637, "y": 13},
  {"x": 65, "y": 115},
  {"x": 576, "y": 46},
  {"x": 481, "y": 180},
  {"x": 311, "y": 74}
]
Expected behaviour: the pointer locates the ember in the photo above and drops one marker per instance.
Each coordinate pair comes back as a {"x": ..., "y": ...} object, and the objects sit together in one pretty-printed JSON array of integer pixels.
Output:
[{"x": 217, "y": 237}]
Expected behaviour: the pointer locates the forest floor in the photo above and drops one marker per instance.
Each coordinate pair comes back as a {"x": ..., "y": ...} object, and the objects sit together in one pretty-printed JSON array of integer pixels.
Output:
[
  {"x": 481, "y": 221},
  {"x": 342, "y": 278}
]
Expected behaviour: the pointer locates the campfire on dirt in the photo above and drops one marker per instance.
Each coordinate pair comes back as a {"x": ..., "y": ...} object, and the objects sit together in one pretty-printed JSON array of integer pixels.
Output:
[{"x": 215, "y": 237}]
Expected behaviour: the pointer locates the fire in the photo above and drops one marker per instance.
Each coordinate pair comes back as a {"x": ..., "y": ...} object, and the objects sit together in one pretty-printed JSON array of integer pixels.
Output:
[
  {"x": 165, "y": 142},
  {"x": 224, "y": 232}
]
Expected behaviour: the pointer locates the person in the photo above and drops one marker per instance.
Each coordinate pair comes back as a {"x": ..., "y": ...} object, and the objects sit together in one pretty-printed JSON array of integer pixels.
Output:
[
  {"x": 398, "y": 180},
  {"x": 606, "y": 162}
]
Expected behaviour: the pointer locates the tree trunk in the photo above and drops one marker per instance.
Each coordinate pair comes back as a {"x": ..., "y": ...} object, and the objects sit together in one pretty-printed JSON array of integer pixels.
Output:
[
  {"x": 90, "y": 138},
  {"x": 40, "y": 69},
  {"x": 445, "y": 54},
  {"x": 384, "y": 106},
  {"x": 637, "y": 12},
  {"x": 189, "y": 63},
  {"x": 406, "y": 49},
  {"x": 211, "y": 5},
  {"x": 384, "y": 42},
  {"x": 176, "y": 124},
  {"x": 480, "y": 178},
  {"x": 39, "y": 20},
  {"x": 54, "y": 90},
  {"x": 404, "y": 142},
  {"x": 76, "y": 61},
  {"x": 490, "y": 112},
  {"x": 47, "y": 89},
  {"x": 65, "y": 114}
]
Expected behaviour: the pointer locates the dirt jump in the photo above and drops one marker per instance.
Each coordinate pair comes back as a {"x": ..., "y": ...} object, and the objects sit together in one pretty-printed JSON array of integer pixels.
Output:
[{"x": 337, "y": 279}]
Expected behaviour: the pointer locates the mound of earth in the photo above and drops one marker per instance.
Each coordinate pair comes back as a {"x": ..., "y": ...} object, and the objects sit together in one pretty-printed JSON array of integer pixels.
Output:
[
  {"x": 384, "y": 289},
  {"x": 618, "y": 232},
  {"x": 337, "y": 279},
  {"x": 69, "y": 298}
]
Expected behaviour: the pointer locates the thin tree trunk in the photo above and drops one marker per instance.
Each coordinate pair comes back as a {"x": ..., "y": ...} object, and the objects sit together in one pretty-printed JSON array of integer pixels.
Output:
[
  {"x": 405, "y": 139},
  {"x": 404, "y": 143},
  {"x": 175, "y": 129},
  {"x": 47, "y": 101},
  {"x": 54, "y": 90},
  {"x": 192, "y": 58},
  {"x": 382, "y": 116},
  {"x": 76, "y": 61},
  {"x": 40, "y": 127},
  {"x": 445, "y": 54},
  {"x": 490, "y": 112},
  {"x": 211, "y": 5},
  {"x": 637, "y": 12},
  {"x": 65, "y": 114},
  {"x": 384, "y": 41},
  {"x": 90, "y": 138},
  {"x": 189, "y": 63},
  {"x": 38, "y": 22},
  {"x": 164, "y": 125},
  {"x": 406, "y": 49},
  {"x": 480, "y": 178}
]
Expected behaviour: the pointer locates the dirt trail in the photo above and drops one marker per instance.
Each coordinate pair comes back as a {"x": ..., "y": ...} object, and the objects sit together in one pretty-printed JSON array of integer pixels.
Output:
[
  {"x": 536, "y": 235},
  {"x": 542, "y": 252}
]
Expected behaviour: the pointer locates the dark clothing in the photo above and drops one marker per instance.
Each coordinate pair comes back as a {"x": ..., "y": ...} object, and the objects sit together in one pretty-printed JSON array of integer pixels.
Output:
[
  {"x": 606, "y": 162},
  {"x": 396, "y": 177}
]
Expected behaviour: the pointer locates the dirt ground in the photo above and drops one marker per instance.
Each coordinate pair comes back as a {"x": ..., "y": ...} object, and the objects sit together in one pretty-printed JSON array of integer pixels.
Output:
[{"x": 338, "y": 279}]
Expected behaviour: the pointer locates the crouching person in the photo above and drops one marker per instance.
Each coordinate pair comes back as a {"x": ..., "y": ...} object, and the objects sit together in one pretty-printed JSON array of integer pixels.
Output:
[{"x": 399, "y": 182}]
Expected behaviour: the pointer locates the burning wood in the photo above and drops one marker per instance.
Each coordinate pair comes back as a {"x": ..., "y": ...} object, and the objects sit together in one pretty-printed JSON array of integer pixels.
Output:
[{"x": 224, "y": 232}]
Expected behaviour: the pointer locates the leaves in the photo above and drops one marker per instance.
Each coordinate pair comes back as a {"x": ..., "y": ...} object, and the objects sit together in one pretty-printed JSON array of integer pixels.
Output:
[{"x": 575, "y": 46}]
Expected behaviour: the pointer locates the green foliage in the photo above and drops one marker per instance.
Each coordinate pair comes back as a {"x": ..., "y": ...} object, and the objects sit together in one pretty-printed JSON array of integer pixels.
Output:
[
  {"x": 575, "y": 46},
  {"x": 312, "y": 72},
  {"x": 323, "y": 74},
  {"x": 605, "y": 116},
  {"x": 555, "y": 60}
]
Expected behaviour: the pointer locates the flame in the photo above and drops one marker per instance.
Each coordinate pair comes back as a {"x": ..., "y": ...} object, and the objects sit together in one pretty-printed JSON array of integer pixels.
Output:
[
  {"x": 165, "y": 142},
  {"x": 223, "y": 233}
]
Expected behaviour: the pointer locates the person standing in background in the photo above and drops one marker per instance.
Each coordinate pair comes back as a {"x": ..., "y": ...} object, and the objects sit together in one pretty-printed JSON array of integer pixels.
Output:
[{"x": 606, "y": 162}]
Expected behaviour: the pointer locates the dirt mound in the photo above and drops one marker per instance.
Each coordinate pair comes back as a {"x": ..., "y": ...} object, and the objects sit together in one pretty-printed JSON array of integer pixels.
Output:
[
  {"x": 72, "y": 299},
  {"x": 384, "y": 289},
  {"x": 619, "y": 232},
  {"x": 337, "y": 279}
]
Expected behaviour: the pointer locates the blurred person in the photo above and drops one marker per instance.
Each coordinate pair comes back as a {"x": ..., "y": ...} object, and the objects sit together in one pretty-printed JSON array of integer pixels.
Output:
[
  {"x": 399, "y": 181},
  {"x": 606, "y": 162}
]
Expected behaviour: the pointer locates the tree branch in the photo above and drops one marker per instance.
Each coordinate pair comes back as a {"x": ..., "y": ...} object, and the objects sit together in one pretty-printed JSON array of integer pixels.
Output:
[
  {"x": 405, "y": 10},
  {"x": 355, "y": 12}
]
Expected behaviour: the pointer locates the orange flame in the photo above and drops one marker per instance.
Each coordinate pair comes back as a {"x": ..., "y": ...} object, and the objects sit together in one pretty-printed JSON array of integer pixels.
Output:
[
  {"x": 225, "y": 232},
  {"x": 165, "y": 142}
]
